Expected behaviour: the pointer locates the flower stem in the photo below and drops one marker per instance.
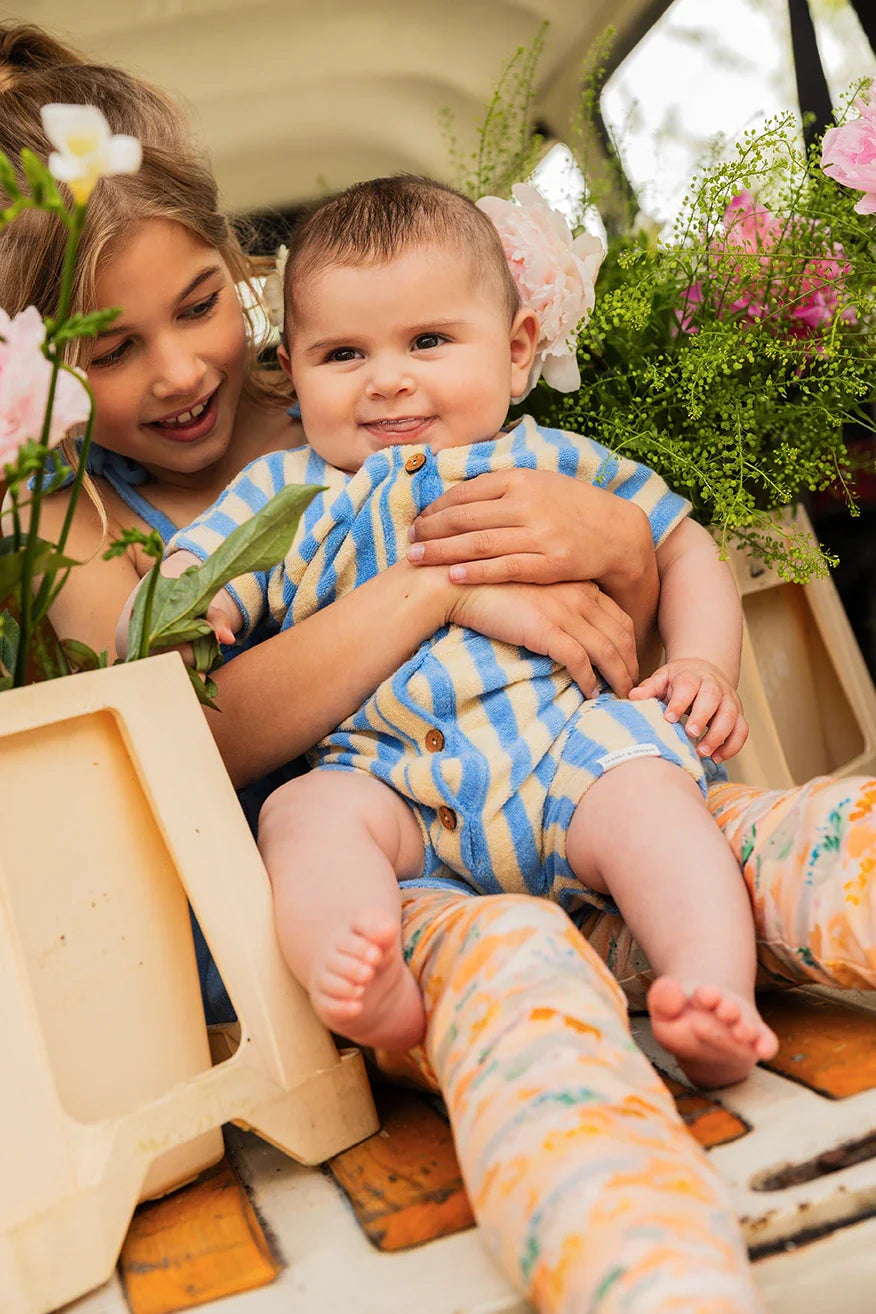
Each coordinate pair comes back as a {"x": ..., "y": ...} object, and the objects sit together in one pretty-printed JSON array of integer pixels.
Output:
[
  {"x": 74, "y": 221},
  {"x": 151, "y": 585}
]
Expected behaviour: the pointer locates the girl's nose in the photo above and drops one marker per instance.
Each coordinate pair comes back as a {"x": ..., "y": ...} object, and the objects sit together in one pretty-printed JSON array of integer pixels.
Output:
[{"x": 178, "y": 373}]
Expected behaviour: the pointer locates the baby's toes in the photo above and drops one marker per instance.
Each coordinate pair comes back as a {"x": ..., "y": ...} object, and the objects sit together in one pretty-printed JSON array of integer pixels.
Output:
[
  {"x": 744, "y": 1031},
  {"x": 354, "y": 969},
  {"x": 707, "y": 996},
  {"x": 356, "y": 948},
  {"x": 766, "y": 1043},
  {"x": 337, "y": 985},
  {"x": 729, "y": 1011}
]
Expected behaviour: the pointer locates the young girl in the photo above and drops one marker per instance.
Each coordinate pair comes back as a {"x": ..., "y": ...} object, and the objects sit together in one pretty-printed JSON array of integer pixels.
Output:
[
  {"x": 476, "y": 762},
  {"x": 585, "y": 1183}
]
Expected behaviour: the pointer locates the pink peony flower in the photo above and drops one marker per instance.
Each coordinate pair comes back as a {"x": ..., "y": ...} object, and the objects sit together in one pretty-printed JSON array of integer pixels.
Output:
[
  {"x": 24, "y": 387},
  {"x": 848, "y": 153},
  {"x": 800, "y": 300},
  {"x": 555, "y": 274}
]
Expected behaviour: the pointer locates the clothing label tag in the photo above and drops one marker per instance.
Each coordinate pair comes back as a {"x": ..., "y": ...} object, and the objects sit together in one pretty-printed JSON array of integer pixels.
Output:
[{"x": 621, "y": 755}]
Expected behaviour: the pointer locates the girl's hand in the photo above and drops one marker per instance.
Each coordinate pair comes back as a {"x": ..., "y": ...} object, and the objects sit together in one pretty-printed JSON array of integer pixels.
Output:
[
  {"x": 693, "y": 685},
  {"x": 528, "y": 525},
  {"x": 574, "y": 624}
]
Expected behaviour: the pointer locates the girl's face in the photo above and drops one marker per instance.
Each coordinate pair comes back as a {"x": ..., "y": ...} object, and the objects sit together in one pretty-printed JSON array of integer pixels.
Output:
[{"x": 167, "y": 374}]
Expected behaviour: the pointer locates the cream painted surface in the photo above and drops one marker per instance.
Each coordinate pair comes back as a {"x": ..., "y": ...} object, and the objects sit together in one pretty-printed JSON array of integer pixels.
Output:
[{"x": 291, "y": 98}]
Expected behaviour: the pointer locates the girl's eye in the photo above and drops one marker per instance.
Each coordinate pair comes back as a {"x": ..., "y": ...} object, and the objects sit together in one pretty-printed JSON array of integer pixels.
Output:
[
  {"x": 426, "y": 341},
  {"x": 201, "y": 308},
  {"x": 342, "y": 354},
  {"x": 111, "y": 357}
]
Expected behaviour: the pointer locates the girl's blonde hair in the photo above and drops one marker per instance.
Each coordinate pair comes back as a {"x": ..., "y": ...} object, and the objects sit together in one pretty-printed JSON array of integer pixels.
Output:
[{"x": 174, "y": 182}]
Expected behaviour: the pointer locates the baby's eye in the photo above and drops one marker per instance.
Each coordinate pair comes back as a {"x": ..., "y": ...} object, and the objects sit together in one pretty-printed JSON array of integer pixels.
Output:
[
  {"x": 342, "y": 354},
  {"x": 111, "y": 357},
  {"x": 426, "y": 341}
]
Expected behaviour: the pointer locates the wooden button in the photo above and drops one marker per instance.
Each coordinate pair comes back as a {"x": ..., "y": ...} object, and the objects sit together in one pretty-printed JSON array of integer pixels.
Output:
[
  {"x": 415, "y": 462},
  {"x": 434, "y": 741},
  {"x": 447, "y": 817}
]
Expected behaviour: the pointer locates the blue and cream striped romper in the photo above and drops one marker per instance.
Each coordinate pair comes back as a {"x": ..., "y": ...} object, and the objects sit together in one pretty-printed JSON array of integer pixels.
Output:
[{"x": 492, "y": 745}]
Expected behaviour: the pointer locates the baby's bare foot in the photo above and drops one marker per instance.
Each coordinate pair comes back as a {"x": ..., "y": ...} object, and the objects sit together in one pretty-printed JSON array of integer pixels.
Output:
[
  {"x": 716, "y": 1035},
  {"x": 362, "y": 987}
]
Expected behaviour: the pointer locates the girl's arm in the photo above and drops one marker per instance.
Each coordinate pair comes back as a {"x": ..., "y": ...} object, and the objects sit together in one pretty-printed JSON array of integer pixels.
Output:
[
  {"x": 538, "y": 527},
  {"x": 282, "y": 696}
]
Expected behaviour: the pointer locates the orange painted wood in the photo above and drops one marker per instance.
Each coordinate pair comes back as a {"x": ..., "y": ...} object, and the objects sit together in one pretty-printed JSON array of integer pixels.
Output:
[
  {"x": 706, "y": 1120},
  {"x": 829, "y": 1047},
  {"x": 198, "y": 1244},
  {"x": 404, "y": 1183}
]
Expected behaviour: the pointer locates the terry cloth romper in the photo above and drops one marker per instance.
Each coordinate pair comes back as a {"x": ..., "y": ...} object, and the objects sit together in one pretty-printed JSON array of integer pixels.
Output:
[{"x": 493, "y": 746}]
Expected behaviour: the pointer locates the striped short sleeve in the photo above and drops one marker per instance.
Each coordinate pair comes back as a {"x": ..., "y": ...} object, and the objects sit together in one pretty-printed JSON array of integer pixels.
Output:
[
  {"x": 248, "y": 493},
  {"x": 633, "y": 481}
]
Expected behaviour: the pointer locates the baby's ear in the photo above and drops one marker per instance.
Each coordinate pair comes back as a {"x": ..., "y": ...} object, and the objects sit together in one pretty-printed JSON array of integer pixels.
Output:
[
  {"x": 524, "y": 337},
  {"x": 283, "y": 358}
]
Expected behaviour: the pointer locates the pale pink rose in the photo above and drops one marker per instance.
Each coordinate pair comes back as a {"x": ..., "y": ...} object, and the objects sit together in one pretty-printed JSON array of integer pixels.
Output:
[
  {"x": 848, "y": 153},
  {"x": 24, "y": 387},
  {"x": 555, "y": 275}
]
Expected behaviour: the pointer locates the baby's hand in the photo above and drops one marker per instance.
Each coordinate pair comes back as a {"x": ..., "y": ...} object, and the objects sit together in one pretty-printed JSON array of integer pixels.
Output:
[{"x": 693, "y": 685}]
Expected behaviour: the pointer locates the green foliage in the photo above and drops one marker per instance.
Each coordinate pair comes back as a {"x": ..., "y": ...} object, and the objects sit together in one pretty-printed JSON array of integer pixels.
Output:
[
  {"x": 731, "y": 366},
  {"x": 508, "y": 148},
  {"x": 169, "y": 612},
  {"x": 726, "y": 360}
]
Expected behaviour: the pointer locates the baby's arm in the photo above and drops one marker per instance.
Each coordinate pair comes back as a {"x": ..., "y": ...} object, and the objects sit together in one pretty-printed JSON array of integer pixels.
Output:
[
  {"x": 223, "y": 614},
  {"x": 700, "y": 621}
]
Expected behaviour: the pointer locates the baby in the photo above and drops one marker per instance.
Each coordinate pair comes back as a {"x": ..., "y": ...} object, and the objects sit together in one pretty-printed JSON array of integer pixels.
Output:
[{"x": 478, "y": 765}]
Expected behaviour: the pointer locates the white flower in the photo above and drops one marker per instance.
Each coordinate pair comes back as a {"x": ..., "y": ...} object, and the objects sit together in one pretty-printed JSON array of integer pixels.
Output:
[
  {"x": 85, "y": 149},
  {"x": 274, "y": 288},
  {"x": 555, "y": 275}
]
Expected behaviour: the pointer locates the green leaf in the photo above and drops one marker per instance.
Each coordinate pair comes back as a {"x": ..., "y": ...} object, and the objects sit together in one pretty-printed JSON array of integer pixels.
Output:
[
  {"x": 205, "y": 688},
  {"x": 10, "y": 634},
  {"x": 83, "y": 326},
  {"x": 8, "y": 180},
  {"x": 82, "y": 658},
  {"x": 39, "y": 179},
  {"x": 12, "y": 564},
  {"x": 258, "y": 544}
]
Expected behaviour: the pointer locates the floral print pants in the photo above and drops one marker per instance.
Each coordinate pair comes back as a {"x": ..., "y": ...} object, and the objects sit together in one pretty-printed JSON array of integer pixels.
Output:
[{"x": 586, "y": 1185}]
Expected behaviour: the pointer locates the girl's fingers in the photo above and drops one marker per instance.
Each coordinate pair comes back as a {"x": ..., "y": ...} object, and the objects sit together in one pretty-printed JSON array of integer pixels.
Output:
[
  {"x": 476, "y": 545},
  {"x": 467, "y": 517},
  {"x": 483, "y": 488},
  {"x": 603, "y": 654},
  {"x": 517, "y": 567},
  {"x": 571, "y": 653}
]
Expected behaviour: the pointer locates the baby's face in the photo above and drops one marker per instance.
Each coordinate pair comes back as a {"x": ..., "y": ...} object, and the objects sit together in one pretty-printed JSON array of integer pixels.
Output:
[{"x": 413, "y": 351}]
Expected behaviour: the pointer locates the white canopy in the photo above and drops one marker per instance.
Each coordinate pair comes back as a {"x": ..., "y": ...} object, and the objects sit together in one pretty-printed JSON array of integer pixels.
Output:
[{"x": 292, "y": 99}]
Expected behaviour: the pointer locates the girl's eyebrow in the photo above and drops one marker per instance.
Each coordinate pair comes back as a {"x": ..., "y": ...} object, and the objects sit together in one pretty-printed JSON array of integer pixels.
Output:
[{"x": 115, "y": 329}]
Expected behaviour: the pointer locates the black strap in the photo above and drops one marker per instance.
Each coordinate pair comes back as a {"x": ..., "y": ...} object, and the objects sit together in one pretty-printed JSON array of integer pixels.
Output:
[{"x": 812, "y": 92}]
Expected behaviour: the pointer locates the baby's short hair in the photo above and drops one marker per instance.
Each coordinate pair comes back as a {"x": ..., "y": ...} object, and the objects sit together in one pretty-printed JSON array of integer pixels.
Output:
[{"x": 377, "y": 221}]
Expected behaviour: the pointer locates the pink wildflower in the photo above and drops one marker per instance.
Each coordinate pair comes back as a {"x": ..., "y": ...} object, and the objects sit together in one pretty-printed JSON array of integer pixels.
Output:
[
  {"x": 761, "y": 285},
  {"x": 24, "y": 387}
]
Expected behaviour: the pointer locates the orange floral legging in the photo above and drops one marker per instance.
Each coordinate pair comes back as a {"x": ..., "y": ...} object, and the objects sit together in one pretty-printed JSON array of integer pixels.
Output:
[{"x": 586, "y": 1186}]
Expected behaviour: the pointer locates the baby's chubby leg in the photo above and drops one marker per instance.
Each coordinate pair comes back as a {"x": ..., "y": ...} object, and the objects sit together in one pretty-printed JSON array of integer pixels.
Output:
[
  {"x": 335, "y": 844},
  {"x": 643, "y": 834}
]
